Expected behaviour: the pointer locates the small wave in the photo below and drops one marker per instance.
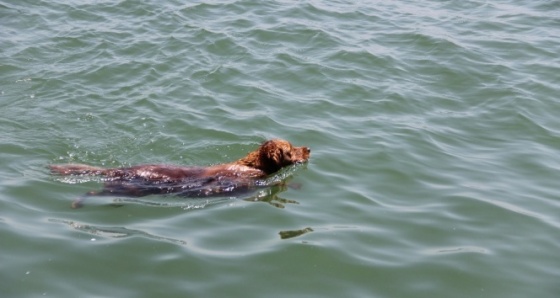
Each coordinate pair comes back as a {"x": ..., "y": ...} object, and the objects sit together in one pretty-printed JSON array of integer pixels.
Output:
[
  {"x": 114, "y": 232},
  {"x": 456, "y": 250}
]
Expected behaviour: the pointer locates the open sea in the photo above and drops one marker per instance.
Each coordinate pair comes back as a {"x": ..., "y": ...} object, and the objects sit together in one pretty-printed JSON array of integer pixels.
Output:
[{"x": 434, "y": 128}]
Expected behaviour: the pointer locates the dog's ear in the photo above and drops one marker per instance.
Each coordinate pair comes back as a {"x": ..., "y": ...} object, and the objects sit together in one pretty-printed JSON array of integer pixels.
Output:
[
  {"x": 271, "y": 152},
  {"x": 271, "y": 157}
]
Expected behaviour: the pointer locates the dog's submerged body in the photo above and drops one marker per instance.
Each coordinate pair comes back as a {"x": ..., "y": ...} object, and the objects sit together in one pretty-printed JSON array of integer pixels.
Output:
[{"x": 223, "y": 179}]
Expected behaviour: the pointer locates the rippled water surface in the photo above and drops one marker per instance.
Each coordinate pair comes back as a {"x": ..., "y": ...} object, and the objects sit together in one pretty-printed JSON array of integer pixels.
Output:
[{"x": 433, "y": 126}]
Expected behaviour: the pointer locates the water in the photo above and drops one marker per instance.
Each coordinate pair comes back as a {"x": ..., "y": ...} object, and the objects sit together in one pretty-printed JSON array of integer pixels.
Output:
[{"x": 433, "y": 127}]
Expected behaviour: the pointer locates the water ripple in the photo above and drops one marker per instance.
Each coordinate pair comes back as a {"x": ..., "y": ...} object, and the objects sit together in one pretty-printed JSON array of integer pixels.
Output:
[{"x": 432, "y": 124}]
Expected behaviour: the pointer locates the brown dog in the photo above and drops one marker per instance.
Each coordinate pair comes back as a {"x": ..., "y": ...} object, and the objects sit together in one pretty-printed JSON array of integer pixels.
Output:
[{"x": 223, "y": 179}]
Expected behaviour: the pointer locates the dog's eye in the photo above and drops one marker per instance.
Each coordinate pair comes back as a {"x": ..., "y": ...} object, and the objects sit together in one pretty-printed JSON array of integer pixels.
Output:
[{"x": 288, "y": 154}]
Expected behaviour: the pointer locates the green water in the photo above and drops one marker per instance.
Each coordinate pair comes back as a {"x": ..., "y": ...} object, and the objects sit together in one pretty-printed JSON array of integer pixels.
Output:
[{"x": 433, "y": 126}]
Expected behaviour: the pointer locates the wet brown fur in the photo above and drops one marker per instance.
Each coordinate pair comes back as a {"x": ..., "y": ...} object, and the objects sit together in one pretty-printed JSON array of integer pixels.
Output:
[{"x": 143, "y": 180}]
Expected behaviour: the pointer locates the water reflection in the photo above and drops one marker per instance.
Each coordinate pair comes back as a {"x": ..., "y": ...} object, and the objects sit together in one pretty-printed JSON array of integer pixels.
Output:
[
  {"x": 270, "y": 195},
  {"x": 294, "y": 233}
]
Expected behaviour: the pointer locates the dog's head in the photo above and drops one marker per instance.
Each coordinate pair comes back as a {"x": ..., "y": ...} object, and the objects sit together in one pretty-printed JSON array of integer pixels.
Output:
[{"x": 276, "y": 154}]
